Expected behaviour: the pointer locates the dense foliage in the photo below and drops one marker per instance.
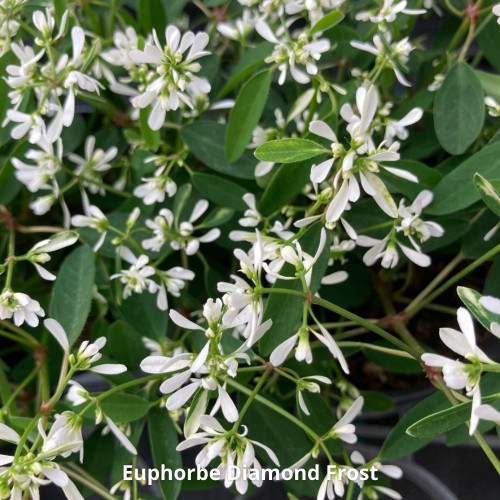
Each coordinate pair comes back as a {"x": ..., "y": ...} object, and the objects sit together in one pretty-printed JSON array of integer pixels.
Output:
[{"x": 239, "y": 225}]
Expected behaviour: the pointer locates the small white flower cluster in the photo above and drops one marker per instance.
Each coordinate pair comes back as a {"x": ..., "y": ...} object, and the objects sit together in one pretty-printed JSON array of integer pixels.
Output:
[{"x": 467, "y": 375}]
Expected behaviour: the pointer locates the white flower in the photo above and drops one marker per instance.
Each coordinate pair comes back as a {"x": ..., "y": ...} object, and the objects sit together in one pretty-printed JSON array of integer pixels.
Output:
[
  {"x": 487, "y": 412},
  {"x": 397, "y": 56},
  {"x": 493, "y": 106},
  {"x": 386, "y": 249},
  {"x": 344, "y": 429},
  {"x": 39, "y": 254},
  {"x": 175, "y": 71},
  {"x": 388, "y": 12},
  {"x": 95, "y": 219},
  {"x": 234, "y": 449},
  {"x": 95, "y": 162},
  {"x": 65, "y": 435},
  {"x": 413, "y": 225},
  {"x": 77, "y": 394},
  {"x": 240, "y": 28},
  {"x": 289, "y": 54},
  {"x": 31, "y": 123},
  {"x": 137, "y": 277},
  {"x": 496, "y": 11},
  {"x": 124, "y": 41},
  {"x": 458, "y": 375},
  {"x": 87, "y": 354},
  {"x": 304, "y": 384},
  {"x": 397, "y": 128},
  {"x": 303, "y": 350},
  {"x": 20, "y": 307},
  {"x": 492, "y": 304},
  {"x": 48, "y": 164},
  {"x": 154, "y": 188},
  {"x": 252, "y": 216}
]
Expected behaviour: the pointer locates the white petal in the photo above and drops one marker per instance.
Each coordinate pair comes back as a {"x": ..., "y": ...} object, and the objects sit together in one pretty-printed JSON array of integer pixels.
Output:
[
  {"x": 121, "y": 437},
  {"x": 281, "y": 352},
  {"x": 109, "y": 369},
  {"x": 321, "y": 129},
  {"x": 8, "y": 434},
  {"x": 57, "y": 331},
  {"x": 183, "y": 322}
]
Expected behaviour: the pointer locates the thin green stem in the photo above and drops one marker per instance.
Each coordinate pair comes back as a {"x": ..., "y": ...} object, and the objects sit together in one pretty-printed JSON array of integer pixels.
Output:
[
  {"x": 116, "y": 388},
  {"x": 375, "y": 347},
  {"x": 250, "y": 399},
  {"x": 25, "y": 436},
  {"x": 432, "y": 285},
  {"x": 410, "y": 311},
  {"x": 11, "y": 258},
  {"x": 22, "y": 385}
]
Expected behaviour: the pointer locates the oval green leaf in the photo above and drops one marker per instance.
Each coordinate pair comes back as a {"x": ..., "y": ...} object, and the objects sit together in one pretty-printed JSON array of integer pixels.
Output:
[
  {"x": 72, "y": 292},
  {"x": 246, "y": 114},
  {"x": 289, "y": 150},
  {"x": 459, "y": 109}
]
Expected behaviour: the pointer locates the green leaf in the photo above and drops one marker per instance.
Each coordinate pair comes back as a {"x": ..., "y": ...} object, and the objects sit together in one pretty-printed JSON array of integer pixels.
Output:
[
  {"x": 390, "y": 363},
  {"x": 220, "y": 191},
  {"x": 180, "y": 201},
  {"x": 72, "y": 293},
  {"x": 125, "y": 344},
  {"x": 285, "y": 184},
  {"x": 60, "y": 7},
  {"x": 456, "y": 190},
  {"x": 489, "y": 194},
  {"x": 490, "y": 84},
  {"x": 151, "y": 137},
  {"x": 246, "y": 113},
  {"x": 286, "y": 310},
  {"x": 471, "y": 300},
  {"x": 488, "y": 40},
  {"x": 151, "y": 15},
  {"x": 251, "y": 61},
  {"x": 326, "y": 22},
  {"x": 398, "y": 443},
  {"x": 445, "y": 420},
  {"x": 163, "y": 440},
  {"x": 173, "y": 8},
  {"x": 289, "y": 150},
  {"x": 124, "y": 407},
  {"x": 459, "y": 109},
  {"x": 217, "y": 217},
  {"x": 141, "y": 311},
  {"x": 206, "y": 141}
]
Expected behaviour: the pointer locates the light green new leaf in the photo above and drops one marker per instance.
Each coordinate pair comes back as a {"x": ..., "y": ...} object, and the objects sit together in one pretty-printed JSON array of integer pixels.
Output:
[
  {"x": 445, "y": 420},
  {"x": 490, "y": 83},
  {"x": 72, "y": 292},
  {"x": 471, "y": 299},
  {"x": 459, "y": 109},
  {"x": 124, "y": 407},
  {"x": 289, "y": 150},
  {"x": 327, "y": 22},
  {"x": 489, "y": 194},
  {"x": 163, "y": 440},
  {"x": 246, "y": 114},
  {"x": 456, "y": 190}
]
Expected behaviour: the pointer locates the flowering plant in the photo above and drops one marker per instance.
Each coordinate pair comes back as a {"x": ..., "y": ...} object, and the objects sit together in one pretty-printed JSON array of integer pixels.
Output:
[{"x": 227, "y": 224}]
